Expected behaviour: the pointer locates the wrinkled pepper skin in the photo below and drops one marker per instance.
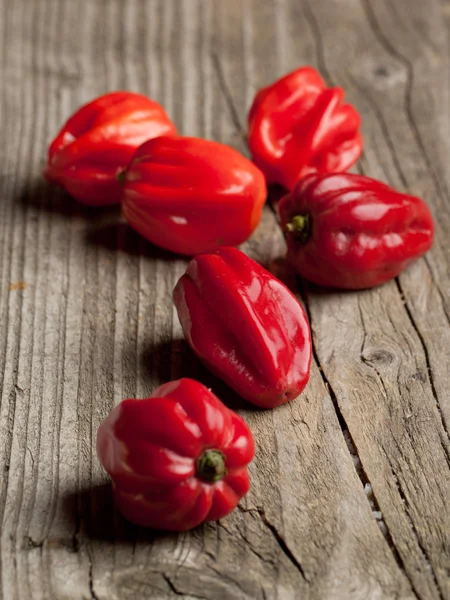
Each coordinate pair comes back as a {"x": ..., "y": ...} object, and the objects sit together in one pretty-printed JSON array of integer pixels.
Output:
[
  {"x": 298, "y": 126},
  {"x": 176, "y": 459},
  {"x": 98, "y": 142},
  {"x": 246, "y": 326},
  {"x": 350, "y": 231},
  {"x": 190, "y": 195}
]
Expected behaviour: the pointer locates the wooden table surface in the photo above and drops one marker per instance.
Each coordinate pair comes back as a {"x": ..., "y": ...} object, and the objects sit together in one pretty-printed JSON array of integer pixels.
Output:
[{"x": 351, "y": 482}]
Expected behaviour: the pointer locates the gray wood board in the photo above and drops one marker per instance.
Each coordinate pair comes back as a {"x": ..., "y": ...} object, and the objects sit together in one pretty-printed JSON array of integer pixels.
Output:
[{"x": 351, "y": 482}]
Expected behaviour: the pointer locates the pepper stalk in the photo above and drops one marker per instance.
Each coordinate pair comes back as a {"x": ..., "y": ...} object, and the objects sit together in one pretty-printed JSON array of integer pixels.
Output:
[
  {"x": 300, "y": 228},
  {"x": 211, "y": 466}
]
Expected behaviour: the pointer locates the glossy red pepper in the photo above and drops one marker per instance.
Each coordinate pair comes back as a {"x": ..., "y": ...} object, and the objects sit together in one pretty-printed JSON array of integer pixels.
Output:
[
  {"x": 246, "y": 326},
  {"x": 350, "y": 231},
  {"x": 190, "y": 195},
  {"x": 297, "y": 126},
  {"x": 98, "y": 142},
  {"x": 177, "y": 458}
]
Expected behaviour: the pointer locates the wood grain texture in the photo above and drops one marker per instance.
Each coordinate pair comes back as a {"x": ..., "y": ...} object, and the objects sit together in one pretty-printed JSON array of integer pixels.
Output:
[{"x": 351, "y": 482}]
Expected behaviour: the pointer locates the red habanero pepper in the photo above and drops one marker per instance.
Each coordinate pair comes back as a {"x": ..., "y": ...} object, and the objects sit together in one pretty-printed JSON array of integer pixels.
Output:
[
  {"x": 354, "y": 232},
  {"x": 190, "y": 195},
  {"x": 177, "y": 458},
  {"x": 98, "y": 142},
  {"x": 298, "y": 126},
  {"x": 246, "y": 326}
]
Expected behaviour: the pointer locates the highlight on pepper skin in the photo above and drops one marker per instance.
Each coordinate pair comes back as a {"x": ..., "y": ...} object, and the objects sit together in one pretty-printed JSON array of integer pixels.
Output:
[
  {"x": 176, "y": 459},
  {"x": 298, "y": 126},
  {"x": 245, "y": 326},
  {"x": 98, "y": 142},
  {"x": 354, "y": 232},
  {"x": 190, "y": 195}
]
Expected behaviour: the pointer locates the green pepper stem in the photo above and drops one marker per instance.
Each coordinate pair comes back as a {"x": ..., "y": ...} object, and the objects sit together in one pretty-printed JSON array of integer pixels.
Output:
[
  {"x": 121, "y": 177},
  {"x": 211, "y": 466},
  {"x": 300, "y": 228}
]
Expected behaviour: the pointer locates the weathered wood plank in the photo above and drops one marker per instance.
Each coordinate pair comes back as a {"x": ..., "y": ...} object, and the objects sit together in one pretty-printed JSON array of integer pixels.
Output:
[
  {"x": 87, "y": 318},
  {"x": 394, "y": 336}
]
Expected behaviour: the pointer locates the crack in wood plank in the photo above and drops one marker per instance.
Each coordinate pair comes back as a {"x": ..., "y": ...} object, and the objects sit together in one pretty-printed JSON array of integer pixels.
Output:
[
  {"x": 91, "y": 578},
  {"x": 282, "y": 543},
  {"x": 248, "y": 544}
]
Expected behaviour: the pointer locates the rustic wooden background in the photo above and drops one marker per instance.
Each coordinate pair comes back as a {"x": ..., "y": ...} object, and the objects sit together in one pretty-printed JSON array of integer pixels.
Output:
[{"x": 351, "y": 483}]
